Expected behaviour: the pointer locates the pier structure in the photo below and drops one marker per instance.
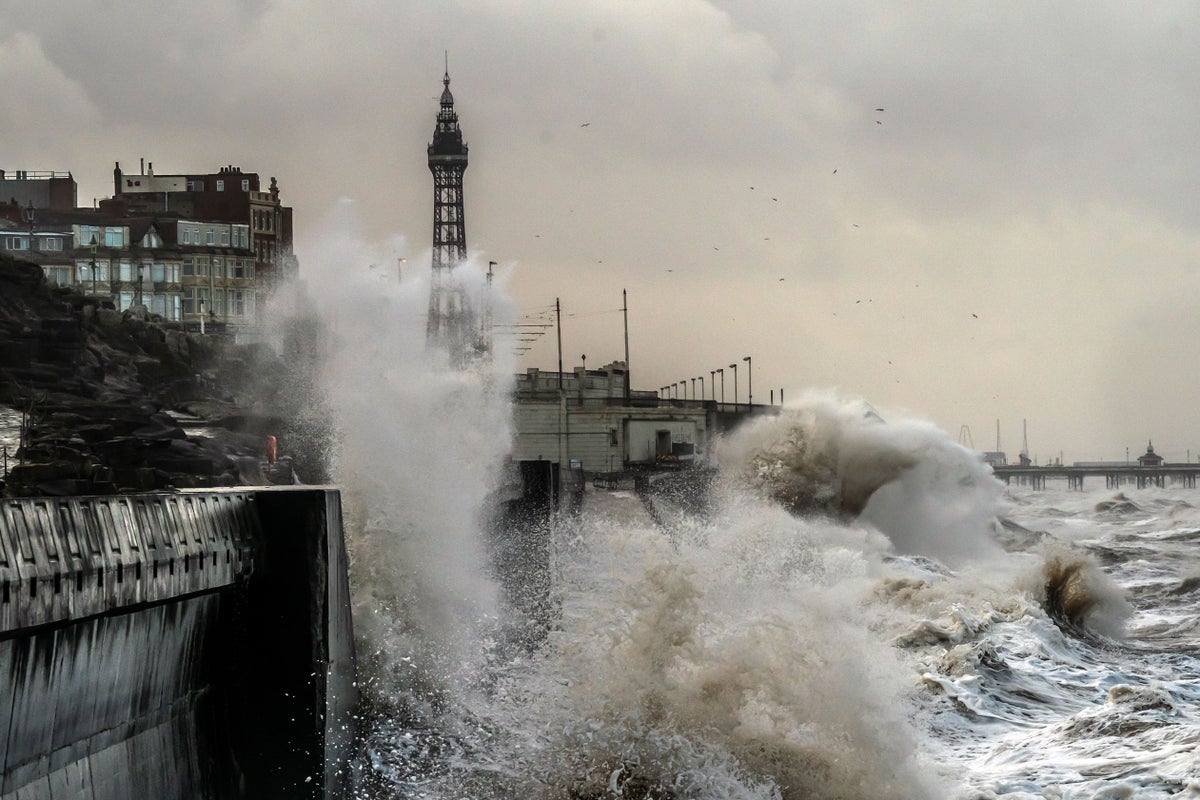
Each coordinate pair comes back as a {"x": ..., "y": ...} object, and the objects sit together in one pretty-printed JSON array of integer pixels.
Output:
[
  {"x": 451, "y": 321},
  {"x": 1115, "y": 475}
]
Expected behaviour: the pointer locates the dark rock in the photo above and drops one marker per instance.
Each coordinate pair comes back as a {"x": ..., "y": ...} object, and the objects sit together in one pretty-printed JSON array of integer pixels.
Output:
[{"x": 96, "y": 383}]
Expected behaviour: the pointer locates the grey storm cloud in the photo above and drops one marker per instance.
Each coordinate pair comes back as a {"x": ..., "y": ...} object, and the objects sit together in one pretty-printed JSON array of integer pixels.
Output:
[{"x": 1010, "y": 237}]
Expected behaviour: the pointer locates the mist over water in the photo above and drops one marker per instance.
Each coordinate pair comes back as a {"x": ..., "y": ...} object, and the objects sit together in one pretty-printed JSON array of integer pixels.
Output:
[
  {"x": 416, "y": 445},
  {"x": 864, "y": 613}
]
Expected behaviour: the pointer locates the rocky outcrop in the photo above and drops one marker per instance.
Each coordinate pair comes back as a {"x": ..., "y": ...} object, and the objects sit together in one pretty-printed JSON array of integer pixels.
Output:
[{"x": 108, "y": 395}]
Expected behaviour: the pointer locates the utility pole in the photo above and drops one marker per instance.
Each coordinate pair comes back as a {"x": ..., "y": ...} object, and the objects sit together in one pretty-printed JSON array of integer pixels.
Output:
[
  {"x": 562, "y": 396},
  {"x": 625, "y": 314},
  {"x": 558, "y": 325}
]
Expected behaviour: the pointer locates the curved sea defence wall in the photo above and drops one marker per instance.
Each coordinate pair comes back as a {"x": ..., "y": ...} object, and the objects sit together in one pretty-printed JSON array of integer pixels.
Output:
[{"x": 188, "y": 644}]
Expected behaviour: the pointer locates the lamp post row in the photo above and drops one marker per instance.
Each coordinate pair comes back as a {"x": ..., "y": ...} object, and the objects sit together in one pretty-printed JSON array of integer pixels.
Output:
[{"x": 672, "y": 390}]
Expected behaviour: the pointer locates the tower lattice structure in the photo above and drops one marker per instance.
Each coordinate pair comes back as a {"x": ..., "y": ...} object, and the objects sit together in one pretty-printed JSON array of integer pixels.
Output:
[{"x": 451, "y": 319}]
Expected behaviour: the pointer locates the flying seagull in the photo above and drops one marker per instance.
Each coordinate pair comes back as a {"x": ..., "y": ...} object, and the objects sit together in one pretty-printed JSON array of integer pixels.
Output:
[
  {"x": 585, "y": 124},
  {"x": 879, "y": 109}
]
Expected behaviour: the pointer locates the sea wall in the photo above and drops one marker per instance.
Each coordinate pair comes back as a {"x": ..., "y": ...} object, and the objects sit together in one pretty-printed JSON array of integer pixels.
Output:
[{"x": 175, "y": 645}]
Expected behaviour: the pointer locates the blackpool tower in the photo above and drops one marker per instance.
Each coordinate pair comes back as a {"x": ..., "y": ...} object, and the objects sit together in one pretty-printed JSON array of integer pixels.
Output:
[{"x": 451, "y": 321}]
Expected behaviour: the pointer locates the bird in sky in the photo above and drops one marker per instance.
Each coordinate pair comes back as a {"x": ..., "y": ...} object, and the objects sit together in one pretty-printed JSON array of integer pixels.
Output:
[
  {"x": 976, "y": 316},
  {"x": 879, "y": 109},
  {"x": 878, "y": 122},
  {"x": 835, "y": 170},
  {"x": 585, "y": 124}
]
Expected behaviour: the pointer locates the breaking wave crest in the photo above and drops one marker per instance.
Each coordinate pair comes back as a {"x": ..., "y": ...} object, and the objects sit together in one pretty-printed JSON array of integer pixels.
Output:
[
  {"x": 1080, "y": 597},
  {"x": 838, "y": 457}
]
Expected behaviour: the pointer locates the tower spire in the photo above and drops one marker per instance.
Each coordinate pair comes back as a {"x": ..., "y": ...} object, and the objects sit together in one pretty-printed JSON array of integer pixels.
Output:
[{"x": 450, "y": 322}]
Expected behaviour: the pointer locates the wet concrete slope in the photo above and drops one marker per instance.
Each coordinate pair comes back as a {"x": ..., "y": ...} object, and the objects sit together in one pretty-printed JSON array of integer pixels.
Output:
[{"x": 174, "y": 645}]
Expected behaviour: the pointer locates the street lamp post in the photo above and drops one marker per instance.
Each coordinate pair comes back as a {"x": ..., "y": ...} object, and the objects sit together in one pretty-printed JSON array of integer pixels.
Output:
[
  {"x": 702, "y": 396},
  {"x": 735, "y": 397},
  {"x": 722, "y": 372},
  {"x": 712, "y": 381},
  {"x": 693, "y": 388},
  {"x": 749, "y": 381},
  {"x": 94, "y": 264}
]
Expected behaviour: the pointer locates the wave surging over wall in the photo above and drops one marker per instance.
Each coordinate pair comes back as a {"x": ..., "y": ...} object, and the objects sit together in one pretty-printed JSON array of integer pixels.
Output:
[{"x": 416, "y": 444}]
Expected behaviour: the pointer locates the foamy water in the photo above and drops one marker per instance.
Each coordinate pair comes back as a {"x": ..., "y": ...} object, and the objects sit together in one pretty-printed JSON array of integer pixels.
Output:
[
  {"x": 921, "y": 649},
  {"x": 865, "y": 613}
]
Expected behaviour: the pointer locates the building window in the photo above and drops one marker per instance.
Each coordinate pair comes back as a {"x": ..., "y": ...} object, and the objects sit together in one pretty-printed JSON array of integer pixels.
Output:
[
  {"x": 172, "y": 273},
  {"x": 202, "y": 267},
  {"x": 158, "y": 273},
  {"x": 124, "y": 301},
  {"x": 18, "y": 242},
  {"x": 224, "y": 238},
  {"x": 245, "y": 184},
  {"x": 114, "y": 237},
  {"x": 88, "y": 235},
  {"x": 239, "y": 268},
  {"x": 220, "y": 186},
  {"x": 189, "y": 300},
  {"x": 187, "y": 235},
  {"x": 195, "y": 186},
  {"x": 125, "y": 270},
  {"x": 209, "y": 236},
  {"x": 173, "y": 312},
  {"x": 218, "y": 304},
  {"x": 189, "y": 267},
  {"x": 218, "y": 270},
  {"x": 57, "y": 276},
  {"x": 49, "y": 243}
]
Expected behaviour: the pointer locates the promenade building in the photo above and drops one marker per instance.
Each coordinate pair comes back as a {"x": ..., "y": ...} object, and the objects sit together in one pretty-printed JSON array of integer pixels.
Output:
[
  {"x": 195, "y": 249},
  {"x": 228, "y": 195}
]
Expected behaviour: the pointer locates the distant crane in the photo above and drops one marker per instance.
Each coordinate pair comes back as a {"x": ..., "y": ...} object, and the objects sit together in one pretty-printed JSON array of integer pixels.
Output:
[{"x": 964, "y": 437}]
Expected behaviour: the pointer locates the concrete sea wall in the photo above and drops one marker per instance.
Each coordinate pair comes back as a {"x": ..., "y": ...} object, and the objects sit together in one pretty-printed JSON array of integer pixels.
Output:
[{"x": 175, "y": 645}]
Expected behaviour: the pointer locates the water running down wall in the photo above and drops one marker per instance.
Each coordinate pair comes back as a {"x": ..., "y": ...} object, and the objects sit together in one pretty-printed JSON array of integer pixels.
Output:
[{"x": 190, "y": 645}]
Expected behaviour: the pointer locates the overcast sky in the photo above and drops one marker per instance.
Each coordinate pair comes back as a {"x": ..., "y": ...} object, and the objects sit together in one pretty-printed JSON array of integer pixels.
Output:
[{"x": 1015, "y": 236}]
